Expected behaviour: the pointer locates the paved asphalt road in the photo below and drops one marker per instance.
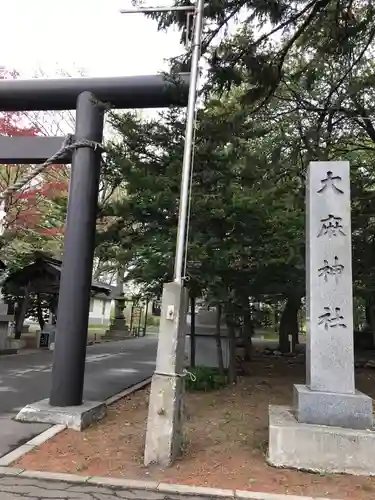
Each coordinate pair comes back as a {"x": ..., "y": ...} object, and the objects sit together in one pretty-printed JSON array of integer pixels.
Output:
[{"x": 25, "y": 378}]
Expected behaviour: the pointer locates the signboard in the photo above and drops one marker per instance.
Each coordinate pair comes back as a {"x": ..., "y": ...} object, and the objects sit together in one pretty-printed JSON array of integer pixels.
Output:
[
  {"x": 47, "y": 336},
  {"x": 156, "y": 308},
  {"x": 44, "y": 340}
]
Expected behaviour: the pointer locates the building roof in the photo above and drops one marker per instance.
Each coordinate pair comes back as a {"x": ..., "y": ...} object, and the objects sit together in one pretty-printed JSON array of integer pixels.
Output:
[
  {"x": 112, "y": 291},
  {"x": 43, "y": 276}
]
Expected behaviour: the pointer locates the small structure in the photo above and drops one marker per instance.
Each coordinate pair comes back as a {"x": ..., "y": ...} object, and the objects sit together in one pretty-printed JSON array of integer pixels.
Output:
[
  {"x": 118, "y": 328},
  {"x": 42, "y": 277},
  {"x": 205, "y": 341},
  {"x": 330, "y": 427}
]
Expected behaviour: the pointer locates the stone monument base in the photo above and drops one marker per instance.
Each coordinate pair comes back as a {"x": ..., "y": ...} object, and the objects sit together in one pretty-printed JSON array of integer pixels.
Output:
[
  {"x": 74, "y": 417},
  {"x": 118, "y": 330},
  {"x": 352, "y": 411},
  {"x": 318, "y": 448},
  {"x": 116, "y": 335}
]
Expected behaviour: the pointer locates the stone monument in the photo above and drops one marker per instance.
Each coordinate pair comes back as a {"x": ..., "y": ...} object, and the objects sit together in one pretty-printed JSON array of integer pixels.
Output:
[
  {"x": 118, "y": 329},
  {"x": 6, "y": 346},
  {"x": 5, "y": 319},
  {"x": 329, "y": 427}
]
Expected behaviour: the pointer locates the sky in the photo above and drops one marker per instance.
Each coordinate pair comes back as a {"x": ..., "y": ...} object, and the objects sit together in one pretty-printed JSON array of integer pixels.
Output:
[{"x": 89, "y": 35}]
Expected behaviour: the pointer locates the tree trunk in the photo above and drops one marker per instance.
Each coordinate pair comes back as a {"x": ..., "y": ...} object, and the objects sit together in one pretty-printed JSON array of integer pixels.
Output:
[
  {"x": 119, "y": 303},
  {"x": 370, "y": 317},
  {"x": 138, "y": 327},
  {"x": 145, "y": 319},
  {"x": 275, "y": 319},
  {"x": 232, "y": 372},
  {"x": 192, "y": 331},
  {"x": 18, "y": 321},
  {"x": 289, "y": 323},
  {"x": 248, "y": 329},
  {"x": 20, "y": 313},
  {"x": 219, "y": 348},
  {"x": 131, "y": 319},
  {"x": 368, "y": 313},
  {"x": 11, "y": 307},
  {"x": 54, "y": 304},
  {"x": 39, "y": 312}
]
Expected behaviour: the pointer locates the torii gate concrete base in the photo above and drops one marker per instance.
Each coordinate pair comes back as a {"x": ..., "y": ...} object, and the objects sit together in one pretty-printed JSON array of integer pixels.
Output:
[{"x": 74, "y": 417}]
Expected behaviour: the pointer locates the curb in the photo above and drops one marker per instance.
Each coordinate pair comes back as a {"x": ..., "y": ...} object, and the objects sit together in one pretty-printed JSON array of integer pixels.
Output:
[
  {"x": 126, "y": 392},
  {"x": 150, "y": 486},
  {"x": 30, "y": 445},
  {"x": 165, "y": 489},
  {"x": 56, "y": 429}
]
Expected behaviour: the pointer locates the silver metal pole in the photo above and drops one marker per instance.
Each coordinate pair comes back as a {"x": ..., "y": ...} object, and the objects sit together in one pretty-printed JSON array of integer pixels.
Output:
[
  {"x": 189, "y": 135},
  {"x": 143, "y": 10}
]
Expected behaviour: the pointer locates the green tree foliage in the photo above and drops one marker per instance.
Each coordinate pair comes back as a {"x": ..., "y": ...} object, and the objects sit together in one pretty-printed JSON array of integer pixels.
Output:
[
  {"x": 288, "y": 83},
  {"x": 237, "y": 202},
  {"x": 251, "y": 40}
]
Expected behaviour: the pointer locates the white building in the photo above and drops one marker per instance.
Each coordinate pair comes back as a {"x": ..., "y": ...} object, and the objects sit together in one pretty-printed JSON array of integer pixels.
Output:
[{"x": 100, "y": 309}]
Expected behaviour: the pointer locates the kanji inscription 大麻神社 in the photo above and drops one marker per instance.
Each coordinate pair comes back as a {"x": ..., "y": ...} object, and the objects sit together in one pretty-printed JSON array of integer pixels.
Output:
[
  {"x": 331, "y": 226},
  {"x": 328, "y": 270},
  {"x": 330, "y": 181}
]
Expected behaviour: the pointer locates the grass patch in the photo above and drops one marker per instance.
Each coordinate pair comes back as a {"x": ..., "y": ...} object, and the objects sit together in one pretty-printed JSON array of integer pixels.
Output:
[
  {"x": 98, "y": 327},
  {"x": 205, "y": 379}
]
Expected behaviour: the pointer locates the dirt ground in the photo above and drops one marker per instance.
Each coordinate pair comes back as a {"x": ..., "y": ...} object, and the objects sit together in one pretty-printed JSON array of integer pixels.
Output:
[{"x": 224, "y": 446}]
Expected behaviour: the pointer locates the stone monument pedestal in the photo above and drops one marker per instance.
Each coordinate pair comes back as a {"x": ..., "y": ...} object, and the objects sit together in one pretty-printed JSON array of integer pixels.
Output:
[
  {"x": 318, "y": 448},
  {"x": 353, "y": 411},
  {"x": 117, "y": 330},
  {"x": 330, "y": 428}
]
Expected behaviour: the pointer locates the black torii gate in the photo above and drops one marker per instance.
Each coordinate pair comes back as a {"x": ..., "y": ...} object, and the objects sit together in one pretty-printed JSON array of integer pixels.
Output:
[{"x": 89, "y": 96}]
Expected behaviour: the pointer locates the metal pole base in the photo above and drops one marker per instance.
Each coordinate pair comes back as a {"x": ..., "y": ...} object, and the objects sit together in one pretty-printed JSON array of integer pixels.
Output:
[{"x": 164, "y": 424}]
